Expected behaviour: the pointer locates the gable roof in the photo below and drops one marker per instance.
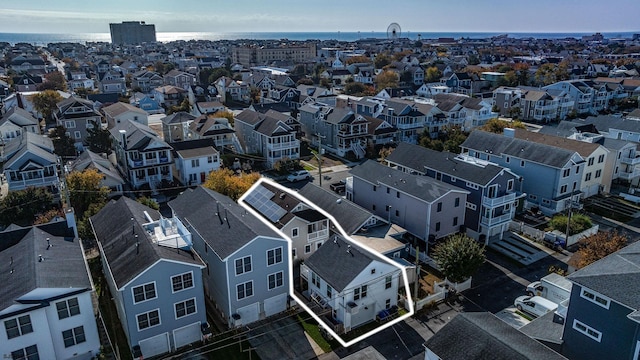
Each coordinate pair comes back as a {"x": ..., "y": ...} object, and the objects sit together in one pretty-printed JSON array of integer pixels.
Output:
[
  {"x": 120, "y": 108},
  {"x": 585, "y": 149},
  {"x": 89, "y": 159},
  {"x": 178, "y": 118},
  {"x": 115, "y": 231},
  {"x": 206, "y": 210},
  {"x": 482, "y": 336},
  {"x": 337, "y": 266},
  {"x": 138, "y": 136},
  {"x": 19, "y": 117},
  {"x": 421, "y": 187},
  {"x": 419, "y": 158}
]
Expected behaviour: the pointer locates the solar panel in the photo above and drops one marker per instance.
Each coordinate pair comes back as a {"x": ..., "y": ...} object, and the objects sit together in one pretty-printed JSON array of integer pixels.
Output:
[{"x": 260, "y": 199}]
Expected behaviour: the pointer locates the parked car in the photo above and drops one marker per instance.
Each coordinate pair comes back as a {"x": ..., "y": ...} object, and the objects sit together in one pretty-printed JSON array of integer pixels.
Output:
[
  {"x": 339, "y": 186},
  {"x": 535, "y": 305},
  {"x": 299, "y": 175},
  {"x": 552, "y": 287}
]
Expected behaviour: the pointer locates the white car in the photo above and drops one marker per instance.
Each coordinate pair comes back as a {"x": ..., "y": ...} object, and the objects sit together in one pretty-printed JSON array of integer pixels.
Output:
[
  {"x": 299, "y": 175},
  {"x": 535, "y": 305}
]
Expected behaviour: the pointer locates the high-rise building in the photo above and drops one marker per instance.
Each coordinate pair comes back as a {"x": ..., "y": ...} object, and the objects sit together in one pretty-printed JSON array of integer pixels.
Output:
[
  {"x": 249, "y": 56},
  {"x": 132, "y": 32}
]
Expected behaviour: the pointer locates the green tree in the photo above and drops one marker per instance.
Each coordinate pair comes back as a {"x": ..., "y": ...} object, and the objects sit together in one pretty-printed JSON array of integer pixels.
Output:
[
  {"x": 53, "y": 81},
  {"x": 387, "y": 79},
  {"x": 354, "y": 88},
  {"x": 226, "y": 182},
  {"x": 99, "y": 139},
  {"x": 497, "y": 126},
  {"x": 459, "y": 257},
  {"x": 304, "y": 81},
  {"x": 45, "y": 103},
  {"x": 20, "y": 207},
  {"x": 184, "y": 106},
  {"x": 144, "y": 200},
  {"x": 577, "y": 224},
  {"x": 596, "y": 247},
  {"x": 85, "y": 189},
  {"x": 62, "y": 143},
  {"x": 381, "y": 60},
  {"x": 453, "y": 137},
  {"x": 217, "y": 74},
  {"x": 83, "y": 92}
]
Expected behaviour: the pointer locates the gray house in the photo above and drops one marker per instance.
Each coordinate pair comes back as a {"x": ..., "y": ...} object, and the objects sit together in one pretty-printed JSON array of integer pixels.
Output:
[
  {"x": 552, "y": 176},
  {"x": 247, "y": 273},
  {"x": 154, "y": 276},
  {"x": 603, "y": 318},
  {"x": 425, "y": 207},
  {"x": 493, "y": 190}
]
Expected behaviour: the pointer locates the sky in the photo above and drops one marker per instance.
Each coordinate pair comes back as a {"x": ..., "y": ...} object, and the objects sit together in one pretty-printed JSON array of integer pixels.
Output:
[{"x": 227, "y": 16}]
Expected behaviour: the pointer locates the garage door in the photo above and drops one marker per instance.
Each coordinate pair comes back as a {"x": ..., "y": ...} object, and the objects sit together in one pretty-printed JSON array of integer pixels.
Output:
[
  {"x": 275, "y": 305},
  {"x": 187, "y": 335},
  {"x": 248, "y": 314},
  {"x": 155, "y": 345}
]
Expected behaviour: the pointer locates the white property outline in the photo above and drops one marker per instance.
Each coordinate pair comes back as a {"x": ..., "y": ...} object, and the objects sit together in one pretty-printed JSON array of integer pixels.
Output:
[{"x": 300, "y": 302}]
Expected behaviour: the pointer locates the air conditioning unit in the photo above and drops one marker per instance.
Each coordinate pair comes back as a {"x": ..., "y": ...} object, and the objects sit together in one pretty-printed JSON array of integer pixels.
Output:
[{"x": 352, "y": 307}]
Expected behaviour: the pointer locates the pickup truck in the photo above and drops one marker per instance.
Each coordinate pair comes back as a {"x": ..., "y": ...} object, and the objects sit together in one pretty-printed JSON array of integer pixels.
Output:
[{"x": 338, "y": 186}]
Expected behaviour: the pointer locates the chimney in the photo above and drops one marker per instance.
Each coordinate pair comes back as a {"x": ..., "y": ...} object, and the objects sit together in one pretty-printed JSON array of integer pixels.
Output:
[
  {"x": 509, "y": 132},
  {"x": 69, "y": 214},
  {"x": 123, "y": 139}
]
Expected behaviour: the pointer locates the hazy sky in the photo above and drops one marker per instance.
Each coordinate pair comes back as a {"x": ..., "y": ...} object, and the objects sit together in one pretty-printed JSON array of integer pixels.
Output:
[{"x": 73, "y": 16}]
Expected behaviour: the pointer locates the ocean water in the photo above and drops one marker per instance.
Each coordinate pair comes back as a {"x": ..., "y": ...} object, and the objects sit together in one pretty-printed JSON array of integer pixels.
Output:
[{"x": 43, "y": 39}]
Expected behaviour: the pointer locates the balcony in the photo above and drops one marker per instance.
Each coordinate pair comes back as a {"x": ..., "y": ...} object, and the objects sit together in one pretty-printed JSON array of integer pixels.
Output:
[
  {"x": 283, "y": 145},
  {"x": 348, "y": 133},
  {"x": 498, "y": 201},
  {"x": 629, "y": 175},
  {"x": 17, "y": 184},
  {"x": 496, "y": 220},
  {"x": 318, "y": 235},
  {"x": 630, "y": 160},
  {"x": 412, "y": 125}
]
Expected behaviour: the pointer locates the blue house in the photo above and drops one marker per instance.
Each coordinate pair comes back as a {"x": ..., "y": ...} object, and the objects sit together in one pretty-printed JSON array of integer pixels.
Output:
[
  {"x": 154, "y": 276},
  {"x": 494, "y": 191},
  {"x": 603, "y": 318},
  {"x": 248, "y": 263},
  {"x": 552, "y": 175}
]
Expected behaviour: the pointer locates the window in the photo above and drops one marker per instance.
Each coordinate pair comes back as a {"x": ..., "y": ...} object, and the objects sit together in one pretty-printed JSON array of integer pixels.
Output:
[
  {"x": 587, "y": 330},
  {"x": 470, "y": 206},
  {"x": 577, "y": 169},
  {"x": 386, "y": 208},
  {"x": 363, "y": 291},
  {"x": 77, "y": 134},
  {"x": 566, "y": 172},
  {"x": 438, "y": 226},
  {"x": 521, "y": 163},
  {"x": 195, "y": 163},
  {"x": 318, "y": 244},
  {"x": 294, "y": 232},
  {"x": 598, "y": 173},
  {"x": 244, "y": 290},
  {"x": 243, "y": 265},
  {"x": 70, "y": 124},
  {"x": 563, "y": 189},
  {"x": 183, "y": 281},
  {"x": 472, "y": 186},
  {"x": 68, "y": 308},
  {"x": 360, "y": 292},
  {"x": 507, "y": 159},
  {"x": 456, "y": 202},
  {"x": 439, "y": 207},
  {"x": 388, "y": 190},
  {"x": 388, "y": 281},
  {"x": 28, "y": 353},
  {"x": 144, "y": 292},
  {"x": 455, "y": 221},
  {"x": 148, "y": 319},
  {"x": 387, "y": 304},
  {"x": 398, "y": 194},
  {"x": 453, "y": 179},
  {"x": 591, "y": 161},
  {"x": 210, "y": 159},
  {"x": 18, "y": 326},
  {"x": 275, "y": 280},
  {"x": 185, "y": 308},
  {"x": 595, "y": 298},
  {"x": 293, "y": 253},
  {"x": 307, "y": 249},
  {"x": 274, "y": 256},
  {"x": 73, "y": 336},
  {"x": 587, "y": 177},
  {"x": 510, "y": 185},
  {"x": 329, "y": 292},
  {"x": 315, "y": 279},
  {"x": 373, "y": 207},
  {"x": 397, "y": 213},
  {"x": 375, "y": 188},
  {"x": 600, "y": 158},
  {"x": 373, "y": 271}
]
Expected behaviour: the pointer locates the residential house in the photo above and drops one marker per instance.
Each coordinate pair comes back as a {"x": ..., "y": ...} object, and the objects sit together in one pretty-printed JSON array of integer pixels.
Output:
[
  {"x": 153, "y": 275},
  {"x": 145, "y": 81},
  {"x": 463, "y": 111},
  {"x": 175, "y": 126},
  {"x": 482, "y": 335},
  {"x": 425, "y": 207},
  {"x": 216, "y": 128},
  {"x": 168, "y": 95},
  {"x": 112, "y": 82},
  {"x": 195, "y": 159},
  {"x": 586, "y": 98},
  {"x": 77, "y": 115},
  {"x": 602, "y": 319},
  {"x": 121, "y": 112},
  {"x": 146, "y": 103},
  {"x": 15, "y": 122},
  {"x": 494, "y": 191},
  {"x": 459, "y": 82},
  {"x": 29, "y": 160},
  {"x": 180, "y": 79},
  {"x": 99, "y": 162},
  {"x": 533, "y": 104},
  {"x": 267, "y": 135},
  {"x": 142, "y": 156},
  {"x": 207, "y": 107},
  {"x": 26, "y": 83},
  {"x": 351, "y": 282},
  {"x": 27, "y": 63},
  {"x": 247, "y": 274},
  {"x": 552, "y": 176},
  {"x": 231, "y": 90}
]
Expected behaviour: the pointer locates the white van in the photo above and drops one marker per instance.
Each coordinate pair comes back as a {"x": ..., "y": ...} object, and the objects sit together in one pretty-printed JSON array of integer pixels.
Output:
[{"x": 535, "y": 305}]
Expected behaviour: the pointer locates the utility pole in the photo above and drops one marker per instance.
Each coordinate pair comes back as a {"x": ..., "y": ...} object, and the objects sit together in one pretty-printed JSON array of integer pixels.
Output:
[
  {"x": 319, "y": 157},
  {"x": 417, "y": 282},
  {"x": 566, "y": 240}
]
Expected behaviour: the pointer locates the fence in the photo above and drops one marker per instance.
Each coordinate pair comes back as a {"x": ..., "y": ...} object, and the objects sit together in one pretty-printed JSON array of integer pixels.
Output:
[
  {"x": 527, "y": 231},
  {"x": 442, "y": 292}
]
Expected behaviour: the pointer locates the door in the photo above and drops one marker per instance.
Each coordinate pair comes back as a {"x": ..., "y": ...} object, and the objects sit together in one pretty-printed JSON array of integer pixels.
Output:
[
  {"x": 154, "y": 345},
  {"x": 187, "y": 335},
  {"x": 275, "y": 305},
  {"x": 248, "y": 314},
  {"x": 203, "y": 177}
]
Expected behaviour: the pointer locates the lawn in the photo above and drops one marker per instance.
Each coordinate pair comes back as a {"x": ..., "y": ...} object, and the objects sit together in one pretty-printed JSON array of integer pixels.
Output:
[
  {"x": 228, "y": 347},
  {"x": 311, "y": 327}
]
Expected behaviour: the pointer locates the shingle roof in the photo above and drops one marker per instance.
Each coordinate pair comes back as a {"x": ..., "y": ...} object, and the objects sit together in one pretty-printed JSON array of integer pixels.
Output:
[
  {"x": 335, "y": 265},
  {"x": 138, "y": 135},
  {"x": 63, "y": 265},
  {"x": 116, "y": 233},
  {"x": 585, "y": 149},
  {"x": 419, "y": 158},
  {"x": 499, "y": 144},
  {"x": 198, "y": 208},
  {"x": 90, "y": 159},
  {"x": 178, "y": 118},
  {"x": 605, "y": 123},
  {"x": 482, "y": 336},
  {"x": 350, "y": 216},
  {"x": 19, "y": 116},
  {"x": 616, "y": 276},
  {"x": 119, "y": 108},
  {"x": 421, "y": 187}
]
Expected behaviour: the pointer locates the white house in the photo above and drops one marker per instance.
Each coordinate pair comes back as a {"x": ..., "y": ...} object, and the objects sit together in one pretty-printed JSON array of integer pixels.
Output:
[
  {"x": 195, "y": 159},
  {"x": 120, "y": 112}
]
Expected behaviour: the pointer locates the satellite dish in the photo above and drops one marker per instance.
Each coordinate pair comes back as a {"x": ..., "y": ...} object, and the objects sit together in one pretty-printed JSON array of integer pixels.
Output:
[{"x": 394, "y": 31}]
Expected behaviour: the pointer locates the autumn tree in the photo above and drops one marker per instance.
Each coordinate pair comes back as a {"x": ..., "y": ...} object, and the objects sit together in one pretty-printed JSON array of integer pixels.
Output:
[
  {"x": 226, "y": 182},
  {"x": 387, "y": 79},
  {"x": 22, "y": 206},
  {"x": 358, "y": 60},
  {"x": 53, "y": 81},
  {"x": 45, "y": 103},
  {"x": 150, "y": 202},
  {"x": 225, "y": 114},
  {"x": 497, "y": 126},
  {"x": 62, "y": 144},
  {"x": 99, "y": 139},
  {"x": 381, "y": 60},
  {"x": 597, "y": 246},
  {"x": 432, "y": 74},
  {"x": 459, "y": 257},
  {"x": 85, "y": 188}
]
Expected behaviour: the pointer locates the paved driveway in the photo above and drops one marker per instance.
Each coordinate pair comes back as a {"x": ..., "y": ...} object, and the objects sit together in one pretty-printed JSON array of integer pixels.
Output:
[
  {"x": 281, "y": 339},
  {"x": 511, "y": 317}
]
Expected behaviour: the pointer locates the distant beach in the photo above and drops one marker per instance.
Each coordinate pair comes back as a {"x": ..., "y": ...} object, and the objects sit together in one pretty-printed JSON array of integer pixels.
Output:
[{"x": 43, "y": 39}]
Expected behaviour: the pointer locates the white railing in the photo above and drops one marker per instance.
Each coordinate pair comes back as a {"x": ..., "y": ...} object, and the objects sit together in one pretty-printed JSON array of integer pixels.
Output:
[
  {"x": 315, "y": 236},
  {"x": 630, "y": 160},
  {"x": 629, "y": 175},
  {"x": 496, "y": 220},
  {"x": 283, "y": 145},
  {"x": 494, "y": 202}
]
